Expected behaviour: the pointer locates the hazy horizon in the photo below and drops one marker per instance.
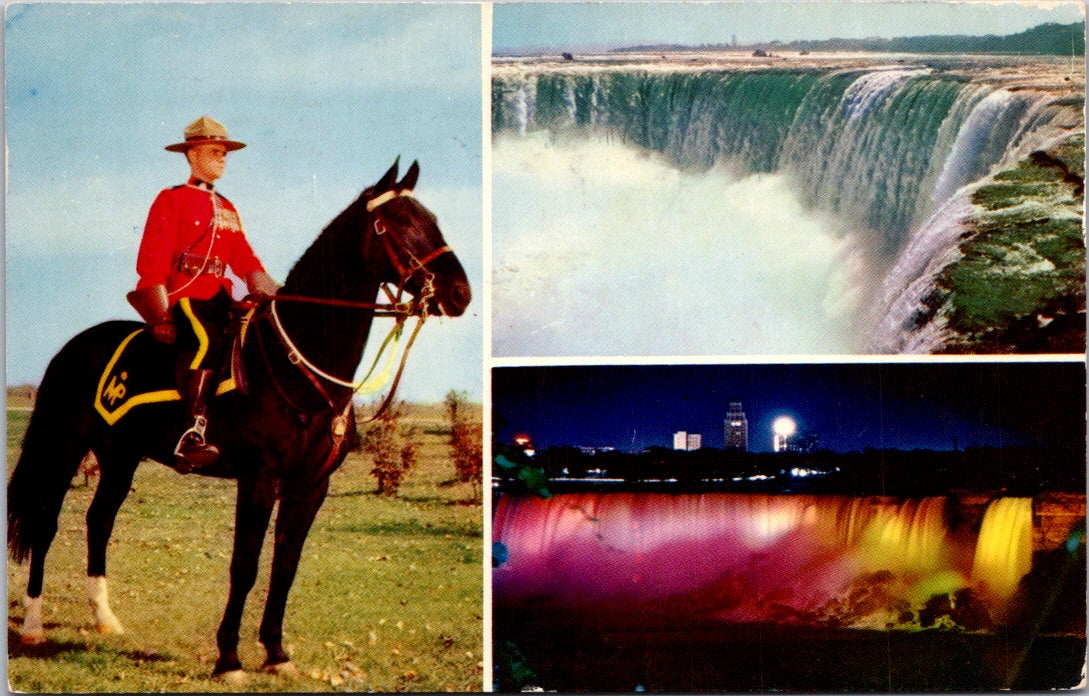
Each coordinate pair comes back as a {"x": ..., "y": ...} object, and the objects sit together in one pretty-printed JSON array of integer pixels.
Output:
[{"x": 527, "y": 28}]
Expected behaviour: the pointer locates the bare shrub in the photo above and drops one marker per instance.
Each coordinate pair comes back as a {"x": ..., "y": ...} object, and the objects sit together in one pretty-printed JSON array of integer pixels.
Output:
[
  {"x": 391, "y": 448},
  {"x": 89, "y": 468},
  {"x": 466, "y": 442}
]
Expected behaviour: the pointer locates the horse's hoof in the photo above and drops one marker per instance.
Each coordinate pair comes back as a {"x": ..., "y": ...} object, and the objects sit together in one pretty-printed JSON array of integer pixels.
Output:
[
  {"x": 235, "y": 677},
  {"x": 32, "y": 637},
  {"x": 287, "y": 670},
  {"x": 109, "y": 628}
]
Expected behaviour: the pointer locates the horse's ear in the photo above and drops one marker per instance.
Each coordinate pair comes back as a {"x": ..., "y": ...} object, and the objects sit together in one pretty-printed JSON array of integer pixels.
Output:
[
  {"x": 413, "y": 173},
  {"x": 389, "y": 178}
]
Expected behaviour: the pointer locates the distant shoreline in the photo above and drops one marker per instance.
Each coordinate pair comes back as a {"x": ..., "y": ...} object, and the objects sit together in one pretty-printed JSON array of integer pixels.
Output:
[{"x": 1048, "y": 39}]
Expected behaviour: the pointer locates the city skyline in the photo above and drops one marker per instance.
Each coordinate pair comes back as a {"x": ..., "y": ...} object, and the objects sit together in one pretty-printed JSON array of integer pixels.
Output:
[{"x": 939, "y": 406}]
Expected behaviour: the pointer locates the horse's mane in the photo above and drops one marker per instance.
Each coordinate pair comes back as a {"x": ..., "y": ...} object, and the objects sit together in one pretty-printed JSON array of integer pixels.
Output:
[{"x": 333, "y": 262}]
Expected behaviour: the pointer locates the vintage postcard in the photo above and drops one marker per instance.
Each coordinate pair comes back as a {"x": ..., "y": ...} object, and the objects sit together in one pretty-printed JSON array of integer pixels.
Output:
[
  {"x": 763, "y": 322},
  {"x": 283, "y": 193}
]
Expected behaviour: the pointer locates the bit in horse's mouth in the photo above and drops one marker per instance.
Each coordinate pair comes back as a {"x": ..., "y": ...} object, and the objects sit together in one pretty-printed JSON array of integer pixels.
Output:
[{"x": 451, "y": 301}]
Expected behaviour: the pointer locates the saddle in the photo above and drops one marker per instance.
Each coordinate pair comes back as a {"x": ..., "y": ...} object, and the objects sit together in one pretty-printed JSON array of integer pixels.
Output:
[{"x": 142, "y": 371}]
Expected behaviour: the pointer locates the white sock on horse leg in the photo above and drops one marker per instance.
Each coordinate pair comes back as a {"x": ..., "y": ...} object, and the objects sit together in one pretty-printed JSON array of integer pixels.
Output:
[
  {"x": 32, "y": 631},
  {"x": 105, "y": 621}
]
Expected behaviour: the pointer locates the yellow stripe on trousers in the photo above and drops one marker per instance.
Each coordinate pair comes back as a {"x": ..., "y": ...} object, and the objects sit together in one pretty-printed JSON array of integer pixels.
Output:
[{"x": 198, "y": 329}]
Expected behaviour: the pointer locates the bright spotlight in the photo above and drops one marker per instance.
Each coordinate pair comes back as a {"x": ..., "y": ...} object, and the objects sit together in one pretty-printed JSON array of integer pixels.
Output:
[{"x": 784, "y": 426}]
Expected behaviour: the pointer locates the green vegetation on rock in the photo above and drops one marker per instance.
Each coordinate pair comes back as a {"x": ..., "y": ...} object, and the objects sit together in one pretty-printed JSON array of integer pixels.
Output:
[{"x": 1019, "y": 285}]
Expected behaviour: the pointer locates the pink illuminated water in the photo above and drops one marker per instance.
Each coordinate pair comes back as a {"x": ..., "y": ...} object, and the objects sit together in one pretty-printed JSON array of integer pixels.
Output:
[{"x": 747, "y": 557}]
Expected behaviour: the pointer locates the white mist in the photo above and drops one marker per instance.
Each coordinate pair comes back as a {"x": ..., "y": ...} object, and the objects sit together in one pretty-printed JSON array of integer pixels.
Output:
[{"x": 600, "y": 249}]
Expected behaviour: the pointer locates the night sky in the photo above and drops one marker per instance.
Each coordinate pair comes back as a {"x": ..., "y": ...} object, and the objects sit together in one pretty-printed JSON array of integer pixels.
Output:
[{"x": 849, "y": 407}]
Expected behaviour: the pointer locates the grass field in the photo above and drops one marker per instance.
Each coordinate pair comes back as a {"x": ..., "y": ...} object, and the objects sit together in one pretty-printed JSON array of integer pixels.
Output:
[{"x": 388, "y": 596}]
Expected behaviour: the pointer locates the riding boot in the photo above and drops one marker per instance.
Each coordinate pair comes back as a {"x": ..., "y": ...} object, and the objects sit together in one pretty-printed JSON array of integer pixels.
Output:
[{"x": 193, "y": 450}]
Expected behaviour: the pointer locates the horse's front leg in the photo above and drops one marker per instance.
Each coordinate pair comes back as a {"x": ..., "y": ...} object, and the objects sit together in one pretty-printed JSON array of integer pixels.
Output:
[
  {"x": 252, "y": 512},
  {"x": 297, "y": 511},
  {"x": 117, "y": 471}
]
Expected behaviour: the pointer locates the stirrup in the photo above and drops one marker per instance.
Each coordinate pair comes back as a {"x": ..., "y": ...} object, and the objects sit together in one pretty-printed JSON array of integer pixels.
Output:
[{"x": 192, "y": 450}]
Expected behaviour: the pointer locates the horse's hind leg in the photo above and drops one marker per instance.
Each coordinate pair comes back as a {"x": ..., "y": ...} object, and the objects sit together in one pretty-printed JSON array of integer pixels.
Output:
[
  {"x": 35, "y": 496},
  {"x": 113, "y": 486}
]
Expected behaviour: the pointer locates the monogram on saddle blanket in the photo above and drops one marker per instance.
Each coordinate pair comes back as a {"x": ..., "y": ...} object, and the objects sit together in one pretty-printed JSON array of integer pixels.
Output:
[{"x": 144, "y": 371}]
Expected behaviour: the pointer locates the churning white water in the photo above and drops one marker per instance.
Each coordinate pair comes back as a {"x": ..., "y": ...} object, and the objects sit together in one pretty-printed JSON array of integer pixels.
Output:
[{"x": 610, "y": 251}]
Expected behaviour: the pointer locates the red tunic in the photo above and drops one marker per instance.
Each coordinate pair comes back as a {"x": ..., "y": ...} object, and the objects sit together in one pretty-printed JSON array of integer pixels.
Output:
[{"x": 181, "y": 222}]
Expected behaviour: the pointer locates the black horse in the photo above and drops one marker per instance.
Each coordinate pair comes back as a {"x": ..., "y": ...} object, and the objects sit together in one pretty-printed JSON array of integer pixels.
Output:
[{"x": 280, "y": 437}]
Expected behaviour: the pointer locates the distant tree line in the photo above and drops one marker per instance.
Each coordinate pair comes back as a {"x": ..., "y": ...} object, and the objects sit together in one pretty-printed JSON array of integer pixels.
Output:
[
  {"x": 1049, "y": 39},
  {"x": 1016, "y": 470}
]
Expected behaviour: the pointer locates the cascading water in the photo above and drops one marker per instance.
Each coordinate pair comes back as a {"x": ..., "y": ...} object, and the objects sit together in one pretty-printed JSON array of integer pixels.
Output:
[
  {"x": 887, "y": 150},
  {"x": 1004, "y": 550},
  {"x": 749, "y": 557}
]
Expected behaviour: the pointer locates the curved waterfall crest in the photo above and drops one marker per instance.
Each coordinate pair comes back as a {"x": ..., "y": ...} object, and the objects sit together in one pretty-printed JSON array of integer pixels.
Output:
[
  {"x": 893, "y": 152},
  {"x": 885, "y": 146}
]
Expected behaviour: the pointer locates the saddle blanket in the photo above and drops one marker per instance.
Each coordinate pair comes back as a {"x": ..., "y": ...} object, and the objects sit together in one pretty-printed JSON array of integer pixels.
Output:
[{"x": 141, "y": 371}]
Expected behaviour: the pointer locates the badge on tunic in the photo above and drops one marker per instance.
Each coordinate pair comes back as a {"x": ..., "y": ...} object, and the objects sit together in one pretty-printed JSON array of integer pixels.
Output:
[{"x": 227, "y": 219}]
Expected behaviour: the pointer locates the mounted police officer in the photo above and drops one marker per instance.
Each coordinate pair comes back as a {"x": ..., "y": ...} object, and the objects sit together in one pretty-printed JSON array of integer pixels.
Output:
[{"x": 192, "y": 236}]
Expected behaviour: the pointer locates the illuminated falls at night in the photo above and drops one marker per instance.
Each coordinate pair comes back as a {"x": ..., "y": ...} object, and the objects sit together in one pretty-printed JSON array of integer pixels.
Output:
[
  {"x": 816, "y": 209},
  {"x": 794, "y": 559},
  {"x": 756, "y": 592}
]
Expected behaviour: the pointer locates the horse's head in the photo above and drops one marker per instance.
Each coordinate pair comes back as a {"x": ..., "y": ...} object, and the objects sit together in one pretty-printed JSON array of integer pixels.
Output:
[{"x": 419, "y": 259}]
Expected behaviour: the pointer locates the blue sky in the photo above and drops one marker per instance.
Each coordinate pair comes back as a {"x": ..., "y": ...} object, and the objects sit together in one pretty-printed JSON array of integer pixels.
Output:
[
  {"x": 325, "y": 95},
  {"x": 597, "y": 25}
]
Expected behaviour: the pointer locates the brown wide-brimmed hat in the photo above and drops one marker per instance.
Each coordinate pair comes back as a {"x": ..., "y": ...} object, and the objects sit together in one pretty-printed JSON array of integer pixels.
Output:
[{"x": 203, "y": 131}]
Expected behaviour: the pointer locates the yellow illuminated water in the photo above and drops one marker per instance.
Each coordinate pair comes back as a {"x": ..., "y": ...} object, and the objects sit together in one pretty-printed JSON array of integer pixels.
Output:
[{"x": 1004, "y": 550}]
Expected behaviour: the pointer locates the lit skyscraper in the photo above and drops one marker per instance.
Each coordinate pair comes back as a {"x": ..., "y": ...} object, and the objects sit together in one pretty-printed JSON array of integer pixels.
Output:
[
  {"x": 686, "y": 441},
  {"x": 737, "y": 428},
  {"x": 680, "y": 440}
]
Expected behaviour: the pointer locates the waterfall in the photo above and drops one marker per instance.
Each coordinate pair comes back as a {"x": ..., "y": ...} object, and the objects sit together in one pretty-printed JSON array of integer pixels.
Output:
[
  {"x": 1004, "y": 550},
  {"x": 860, "y": 143},
  {"x": 750, "y": 557},
  {"x": 894, "y": 153},
  {"x": 980, "y": 142},
  {"x": 600, "y": 549},
  {"x": 903, "y": 324}
]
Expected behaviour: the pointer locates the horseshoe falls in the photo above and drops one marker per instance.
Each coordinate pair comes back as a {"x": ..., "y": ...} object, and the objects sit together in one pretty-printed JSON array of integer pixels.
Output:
[{"x": 684, "y": 210}]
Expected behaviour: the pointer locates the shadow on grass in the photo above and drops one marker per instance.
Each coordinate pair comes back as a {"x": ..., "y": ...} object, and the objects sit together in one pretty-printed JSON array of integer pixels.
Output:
[
  {"x": 353, "y": 494},
  {"x": 408, "y": 527},
  {"x": 466, "y": 502},
  {"x": 424, "y": 499},
  {"x": 52, "y": 649}
]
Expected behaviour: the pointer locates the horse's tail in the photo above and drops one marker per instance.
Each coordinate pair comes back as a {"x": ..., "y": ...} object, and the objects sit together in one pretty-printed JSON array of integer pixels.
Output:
[{"x": 56, "y": 440}]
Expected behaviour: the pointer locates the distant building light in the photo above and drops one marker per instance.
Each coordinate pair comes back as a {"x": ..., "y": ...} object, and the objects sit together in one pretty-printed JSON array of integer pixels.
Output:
[
  {"x": 737, "y": 428},
  {"x": 526, "y": 443}
]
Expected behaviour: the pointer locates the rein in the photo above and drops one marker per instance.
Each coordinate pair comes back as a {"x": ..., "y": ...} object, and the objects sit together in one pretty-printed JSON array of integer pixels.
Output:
[{"x": 387, "y": 309}]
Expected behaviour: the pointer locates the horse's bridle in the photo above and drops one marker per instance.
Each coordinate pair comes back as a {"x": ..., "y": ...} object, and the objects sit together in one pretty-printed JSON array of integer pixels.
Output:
[
  {"x": 395, "y": 308},
  {"x": 391, "y": 242}
]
